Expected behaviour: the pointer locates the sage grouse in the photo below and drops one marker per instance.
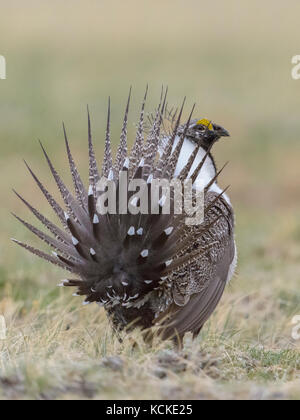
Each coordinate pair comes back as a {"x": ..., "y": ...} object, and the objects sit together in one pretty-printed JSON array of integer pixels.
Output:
[{"x": 147, "y": 270}]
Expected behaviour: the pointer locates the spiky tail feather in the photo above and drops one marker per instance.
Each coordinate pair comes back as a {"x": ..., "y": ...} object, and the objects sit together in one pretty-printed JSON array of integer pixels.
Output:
[{"x": 120, "y": 259}]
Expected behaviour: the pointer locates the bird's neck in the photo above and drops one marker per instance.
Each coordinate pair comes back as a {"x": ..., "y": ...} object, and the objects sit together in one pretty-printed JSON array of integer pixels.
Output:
[{"x": 208, "y": 170}]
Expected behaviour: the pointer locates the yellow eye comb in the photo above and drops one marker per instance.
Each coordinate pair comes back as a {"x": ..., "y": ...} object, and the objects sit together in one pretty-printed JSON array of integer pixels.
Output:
[{"x": 206, "y": 123}]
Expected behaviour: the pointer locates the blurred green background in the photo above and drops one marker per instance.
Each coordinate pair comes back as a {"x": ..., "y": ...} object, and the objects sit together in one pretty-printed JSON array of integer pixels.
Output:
[{"x": 232, "y": 58}]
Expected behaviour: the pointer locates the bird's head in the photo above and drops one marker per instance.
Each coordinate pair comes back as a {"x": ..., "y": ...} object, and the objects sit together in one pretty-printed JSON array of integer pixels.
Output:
[{"x": 204, "y": 131}]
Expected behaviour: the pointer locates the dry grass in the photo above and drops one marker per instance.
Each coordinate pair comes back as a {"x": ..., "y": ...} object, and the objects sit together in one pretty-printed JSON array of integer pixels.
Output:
[{"x": 234, "y": 61}]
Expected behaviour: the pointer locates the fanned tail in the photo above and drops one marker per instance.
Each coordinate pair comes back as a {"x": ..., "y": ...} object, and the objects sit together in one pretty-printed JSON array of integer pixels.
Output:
[{"x": 120, "y": 259}]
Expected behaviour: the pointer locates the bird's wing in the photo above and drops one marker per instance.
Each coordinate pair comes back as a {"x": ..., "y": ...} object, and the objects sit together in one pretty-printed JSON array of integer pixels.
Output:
[{"x": 207, "y": 278}]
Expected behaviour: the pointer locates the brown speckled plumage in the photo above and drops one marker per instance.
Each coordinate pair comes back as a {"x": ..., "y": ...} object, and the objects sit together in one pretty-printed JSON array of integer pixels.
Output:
[{"x": 145, "y": 270}]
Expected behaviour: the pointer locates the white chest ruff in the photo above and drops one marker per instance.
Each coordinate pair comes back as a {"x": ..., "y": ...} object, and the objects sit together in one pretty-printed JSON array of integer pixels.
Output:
[{"x": 208, "y": 170}]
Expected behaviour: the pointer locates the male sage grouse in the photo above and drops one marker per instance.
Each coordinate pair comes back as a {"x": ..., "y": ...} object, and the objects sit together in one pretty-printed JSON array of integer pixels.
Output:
[{"x": 147, "y": 268}]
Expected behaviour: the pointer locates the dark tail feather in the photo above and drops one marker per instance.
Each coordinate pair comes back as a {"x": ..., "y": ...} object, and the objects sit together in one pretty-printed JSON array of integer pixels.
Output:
[
  {"x": 56, "y": 231},
  {"x": 107, "y": 160},
  {"x": 122, "y": 150},
  {"x": 136, "y": 152},
  {"x": 72, "y": 205},
  {"x": 171, "y": 166},
  {"x": 151, "y": 145},
  {"x": 80, "y": 190},
  {"x": 53, "y": 243},
  {"x": 168, "y": 149},
  {"x": 214, "y": 179},
  {"x": 200, "y": 166},
  {"x": 53, "y": 260},
  {"x": 55, "y": 206},
  {"x": 94, "y": 176}
]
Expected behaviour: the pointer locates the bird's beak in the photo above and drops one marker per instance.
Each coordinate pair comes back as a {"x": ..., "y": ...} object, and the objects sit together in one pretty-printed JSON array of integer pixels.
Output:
[
  {"x": 220, "y": 131},
  {"x": 224, "y": 133}
]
